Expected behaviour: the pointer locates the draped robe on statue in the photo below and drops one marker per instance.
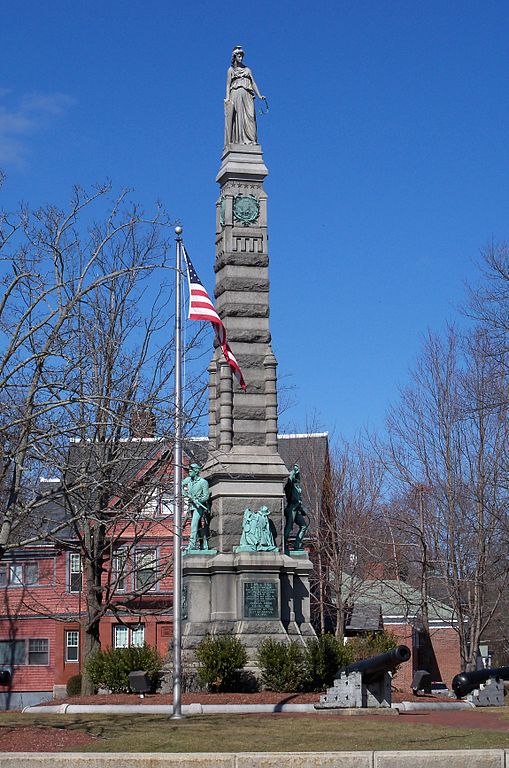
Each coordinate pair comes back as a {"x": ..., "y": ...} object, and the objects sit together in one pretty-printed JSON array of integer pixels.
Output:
[{"x": 240, "y": 118}]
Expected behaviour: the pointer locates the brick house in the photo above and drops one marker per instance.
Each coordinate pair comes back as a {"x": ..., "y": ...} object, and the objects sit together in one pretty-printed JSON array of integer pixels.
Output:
[
  {"x": 42, "y": 599},
  {"x": 395, "y": 606},
  {"x": 41, "y": 587}
]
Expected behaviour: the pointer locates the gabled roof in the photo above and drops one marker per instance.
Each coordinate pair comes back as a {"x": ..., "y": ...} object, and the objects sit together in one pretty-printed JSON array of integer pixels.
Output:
[{"x": 396, "y": 599}]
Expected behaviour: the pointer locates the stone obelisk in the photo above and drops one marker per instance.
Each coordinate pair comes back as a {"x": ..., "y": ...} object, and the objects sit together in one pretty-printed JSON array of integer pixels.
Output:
[{"x": 253, "y": 594}]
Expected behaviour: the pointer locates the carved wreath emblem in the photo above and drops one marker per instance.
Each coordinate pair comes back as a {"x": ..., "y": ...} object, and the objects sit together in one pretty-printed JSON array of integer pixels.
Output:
[{"x": 246, "y": 208}]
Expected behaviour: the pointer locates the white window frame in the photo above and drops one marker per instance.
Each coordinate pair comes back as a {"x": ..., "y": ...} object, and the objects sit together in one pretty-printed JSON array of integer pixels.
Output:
[
  {"x": 15, "y": 574},
  {"x": 137, "y": 636},
  {"x": 68, "y": 645},
  {"x": 159, "y": 502},
  {"x": 131, "y": 635},
  {"x": 120, "y": 570},
  {"x": 74, "y": 558}
]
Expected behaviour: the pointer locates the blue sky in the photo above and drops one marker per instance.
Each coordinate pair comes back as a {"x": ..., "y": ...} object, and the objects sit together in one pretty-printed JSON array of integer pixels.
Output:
[{"x": 386, "y": 142}]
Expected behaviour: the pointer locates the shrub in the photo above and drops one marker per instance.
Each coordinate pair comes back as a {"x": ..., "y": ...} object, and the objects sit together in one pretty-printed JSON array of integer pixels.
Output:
[
  {"x": 222, "y": 659},
  {"x": 73, "y": 686},
  {"x": 282, "y": 665},
  {"x": 324, "y": 655},
  {"x": 110, "y": 668},
  {"x": 372, "y": 644}
]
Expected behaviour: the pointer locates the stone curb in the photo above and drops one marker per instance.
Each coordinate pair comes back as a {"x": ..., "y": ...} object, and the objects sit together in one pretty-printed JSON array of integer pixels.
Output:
[
  {"x": 239, "y": 709},
  {"x": 167, "y": 709},
  {"x": 426, "y": 706},
  {"x": 461, "y": 758}
]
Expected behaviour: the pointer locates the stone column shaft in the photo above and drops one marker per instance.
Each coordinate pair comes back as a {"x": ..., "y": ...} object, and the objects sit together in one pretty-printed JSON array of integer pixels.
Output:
[{"x": 226, "y": 407}]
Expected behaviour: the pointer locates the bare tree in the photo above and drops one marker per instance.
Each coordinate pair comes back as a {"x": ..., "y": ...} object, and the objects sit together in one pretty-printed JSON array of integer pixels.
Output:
[
  {"x": 87, "y": 353},
  {"x": 446, "y": 444},
  {"x": 346, "y": 533}
]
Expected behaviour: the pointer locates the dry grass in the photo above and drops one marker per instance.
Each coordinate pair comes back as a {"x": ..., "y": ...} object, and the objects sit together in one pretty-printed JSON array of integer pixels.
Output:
[{"x": 262, "y": 733}]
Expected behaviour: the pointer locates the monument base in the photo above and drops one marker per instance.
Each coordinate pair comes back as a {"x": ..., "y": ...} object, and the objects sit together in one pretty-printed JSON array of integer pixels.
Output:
[{"x": 253, "y": 595}]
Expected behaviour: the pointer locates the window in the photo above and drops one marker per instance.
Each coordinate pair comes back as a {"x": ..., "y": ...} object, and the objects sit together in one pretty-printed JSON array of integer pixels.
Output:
[
  {"x": 167, "y": 504},
  {"x": 120, "y": 636},
  {"x": 38, "y": 652},
  {"x": 72, "y": 645},
  {"x": 31, "y": 573},
  {"x": 128, "y": 636},
  {"x": 18, "y": 574},
  {"x": 138, "y": 636},
  {"x": 75, "y": 572},
  {"x": 159, "y": 503},
  {"x": 151, "y": 504},
  {"x": 119, "y": 570},
  {"x": 12, "y": 652},
  {"x": 146, "y": 569}
]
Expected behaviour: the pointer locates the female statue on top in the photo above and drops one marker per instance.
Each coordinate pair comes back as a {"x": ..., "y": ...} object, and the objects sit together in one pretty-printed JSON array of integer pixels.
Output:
[{"x": 239, "y": 110}]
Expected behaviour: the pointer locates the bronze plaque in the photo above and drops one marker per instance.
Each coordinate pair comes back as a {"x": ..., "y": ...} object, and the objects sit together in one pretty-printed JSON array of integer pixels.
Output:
[{"x": 261, "y": 600}]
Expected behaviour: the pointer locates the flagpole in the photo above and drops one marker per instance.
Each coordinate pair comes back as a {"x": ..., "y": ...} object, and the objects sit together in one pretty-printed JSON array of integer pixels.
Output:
[{"x": 177, "y": 478}]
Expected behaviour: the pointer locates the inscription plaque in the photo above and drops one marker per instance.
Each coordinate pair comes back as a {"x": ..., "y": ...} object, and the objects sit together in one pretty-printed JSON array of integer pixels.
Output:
[{"x": 261, "y": 600}]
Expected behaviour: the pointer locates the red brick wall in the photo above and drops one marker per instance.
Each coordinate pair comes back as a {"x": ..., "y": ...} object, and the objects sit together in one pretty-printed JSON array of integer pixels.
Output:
[
  {"x": 445, "y": 644},
  {"x": 403, "y": 677},
  {"x": 32, "y": 678}
]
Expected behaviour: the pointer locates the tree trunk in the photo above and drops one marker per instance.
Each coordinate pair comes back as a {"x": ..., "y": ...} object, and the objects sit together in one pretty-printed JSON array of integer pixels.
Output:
[{"x": 91, "y": 644}]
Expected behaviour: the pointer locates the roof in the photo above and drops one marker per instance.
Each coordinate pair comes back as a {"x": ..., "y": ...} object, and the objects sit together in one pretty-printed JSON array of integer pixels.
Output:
[
  {"x": 365, "y": 618},
  {"x": 396, "y": 599}
]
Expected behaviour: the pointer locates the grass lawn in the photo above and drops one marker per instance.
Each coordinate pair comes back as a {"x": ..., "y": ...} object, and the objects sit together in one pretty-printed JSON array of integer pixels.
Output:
[{"x": 260, "y": 733}]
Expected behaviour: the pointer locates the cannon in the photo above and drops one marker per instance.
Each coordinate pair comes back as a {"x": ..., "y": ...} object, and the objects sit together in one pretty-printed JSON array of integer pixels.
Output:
[
  {"x": 365, "y": 683},
  {"x": 465, "y": 683},
  {"x": 376, "y": 666}
]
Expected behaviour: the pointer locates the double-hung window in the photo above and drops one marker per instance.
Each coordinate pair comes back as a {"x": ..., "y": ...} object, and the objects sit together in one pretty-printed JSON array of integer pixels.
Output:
[
  {"x": 38, "y": 652},
  {"x": 72, "y": 645},
  {"x": 146, "y": 569},
  {"x": 119, "y": 570},
  {"x": 75, "y": 572}
]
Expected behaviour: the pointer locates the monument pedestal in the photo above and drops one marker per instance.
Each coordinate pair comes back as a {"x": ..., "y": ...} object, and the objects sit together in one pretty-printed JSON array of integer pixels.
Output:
[{"x": 253, "y": 595}]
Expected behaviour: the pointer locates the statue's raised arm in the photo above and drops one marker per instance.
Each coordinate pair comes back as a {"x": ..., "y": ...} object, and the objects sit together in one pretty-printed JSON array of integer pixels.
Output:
[{"x": 239, "y": 110}]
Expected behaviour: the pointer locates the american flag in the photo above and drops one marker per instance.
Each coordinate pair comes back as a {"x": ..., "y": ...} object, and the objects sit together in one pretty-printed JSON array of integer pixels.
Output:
[{"x": 201, "y": 308}]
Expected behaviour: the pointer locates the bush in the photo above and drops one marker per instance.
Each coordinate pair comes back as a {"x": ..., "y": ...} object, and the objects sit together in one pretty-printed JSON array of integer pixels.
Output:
[
  {"x": 282, "y": 665},
  {"x": 110, "y": 669},
  {"x": 372, "y": 644},
  {"x": 222, "y": 659},
  {"x": 73, "y": 686},
  {"x": 324, "y": 655}
]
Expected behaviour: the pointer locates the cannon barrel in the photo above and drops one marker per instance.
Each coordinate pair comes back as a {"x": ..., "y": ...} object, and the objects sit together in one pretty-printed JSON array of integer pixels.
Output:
[
  {"x": 375, "y": 666},
  {"x": 466, "y": 682}
]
